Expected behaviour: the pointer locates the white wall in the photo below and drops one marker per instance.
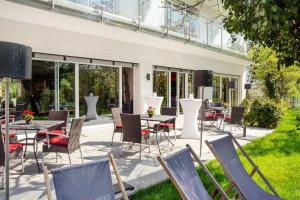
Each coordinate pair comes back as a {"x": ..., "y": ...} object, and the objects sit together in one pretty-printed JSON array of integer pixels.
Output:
[{"x": 53, "y": 33}]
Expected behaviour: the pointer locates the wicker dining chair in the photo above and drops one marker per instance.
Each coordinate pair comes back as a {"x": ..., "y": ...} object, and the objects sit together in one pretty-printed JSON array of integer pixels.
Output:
[
  {"x": 55, "y": 115},
  {"x": 15, "y": 150},
  {"x": 117, "y": 122},
  {"x": 235, "y": 117},
  {"x": 167, "y": 126},
  {"x": 133, "y": 132},
  {"x": 66, "y": 144}
]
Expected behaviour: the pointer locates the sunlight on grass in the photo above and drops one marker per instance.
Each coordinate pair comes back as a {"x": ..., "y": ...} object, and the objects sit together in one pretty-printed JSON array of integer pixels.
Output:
[{"x": 277, "y": 155}]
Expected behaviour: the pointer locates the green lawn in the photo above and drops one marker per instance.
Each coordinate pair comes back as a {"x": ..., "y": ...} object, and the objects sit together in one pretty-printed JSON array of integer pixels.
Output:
[{"x": 277, "y": 155}]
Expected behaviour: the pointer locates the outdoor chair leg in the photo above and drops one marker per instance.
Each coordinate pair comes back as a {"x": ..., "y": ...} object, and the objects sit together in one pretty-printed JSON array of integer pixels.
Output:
[
  {"x": 81, "y": 155},
  {"x": 112, "y": 139},
  {"x": 22, "y": 163},
  {"x": 140, "y": 150},
  {"x": 175, "y": 133},
  {"x": 43, "y": 159},
  {"x": 2, "y": 181},
  {"x": 168, "y": 137},
  {"x": 56, "y": 157},
  {"x": 122, "y": 149},
  {"x": 69, "y": 158},
  {"x": 149, "y": 144}
]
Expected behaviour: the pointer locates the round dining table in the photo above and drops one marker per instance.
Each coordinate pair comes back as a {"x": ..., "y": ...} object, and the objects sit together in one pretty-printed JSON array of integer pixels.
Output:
[{"x": 190, "y": 109}]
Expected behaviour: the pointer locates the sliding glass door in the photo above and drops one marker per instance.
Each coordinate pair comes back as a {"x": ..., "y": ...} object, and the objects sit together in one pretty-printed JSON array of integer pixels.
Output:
[
  {"x": 161, "y": 85},
  {"x": 101, "y": 81}
]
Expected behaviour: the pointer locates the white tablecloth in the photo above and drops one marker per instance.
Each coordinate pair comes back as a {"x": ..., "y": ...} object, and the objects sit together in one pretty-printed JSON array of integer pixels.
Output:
[
  {"x": 190, "y": 109},
  {"x": 155, "y": 102},
  {"x": 91, "y": 102}
]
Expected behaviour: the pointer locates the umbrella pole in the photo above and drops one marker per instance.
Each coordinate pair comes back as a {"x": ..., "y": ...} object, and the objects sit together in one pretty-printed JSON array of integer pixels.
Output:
[
  {"x": 7, "y": 81},
  {"x": 202, "y": 116}
]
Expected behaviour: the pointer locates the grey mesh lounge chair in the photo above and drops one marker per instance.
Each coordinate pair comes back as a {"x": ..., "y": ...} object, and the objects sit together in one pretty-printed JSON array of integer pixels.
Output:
[
  {"x": 117, "y": 122},
  {"x": 226, "y": 154},
  {"x": 85, "y": 181},
  {"x": 181, "y": 170},
  {"x": 65, "y": 144}
]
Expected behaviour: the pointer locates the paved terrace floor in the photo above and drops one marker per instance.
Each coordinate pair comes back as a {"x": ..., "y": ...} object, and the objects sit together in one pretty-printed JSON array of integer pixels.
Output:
[{"x": 96, "y": 144}]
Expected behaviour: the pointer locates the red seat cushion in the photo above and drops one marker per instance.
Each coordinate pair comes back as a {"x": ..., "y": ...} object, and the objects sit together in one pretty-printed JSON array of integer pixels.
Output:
[
  {"x": 57, "y": 132},
  {"x": 227, "y": 118},
  {"x": 119, "y": 126},
  {"x": 145, "y": 131},
  {"x": 43, "y": 132},
  {"x": 14, "y": 146},
  {"x": 59, "y": 141},
  {"x": 166, "y": 124},
  {"x": 210, "y": 116}
]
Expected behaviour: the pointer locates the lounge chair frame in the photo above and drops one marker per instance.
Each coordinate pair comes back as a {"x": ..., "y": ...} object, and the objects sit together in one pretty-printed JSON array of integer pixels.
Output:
[
  {"x": 115, "y": 169},
  {"x": 253, "y": 171},
  {"x": 202, "y": 165}
]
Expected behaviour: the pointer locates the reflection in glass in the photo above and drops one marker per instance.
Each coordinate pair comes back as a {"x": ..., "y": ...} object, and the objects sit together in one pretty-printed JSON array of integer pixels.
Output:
[
  {"x": 67, "y": 87},
  {"x": 233, "y": 93},
  {"x": 160, "y": 85},
  {"x": 190, "y": 84},
  {"x": 181, "y": 88},
  {"x": 178, "y": 20},
  {"x": 153, "y": 13},
  {"x": 101, "y": 81},
  {"x": 39, "y": 91},
  {"x": 214, "y": 34},
  {"x": 216, "y": 89},
  {"x": 225, "y": 90}
]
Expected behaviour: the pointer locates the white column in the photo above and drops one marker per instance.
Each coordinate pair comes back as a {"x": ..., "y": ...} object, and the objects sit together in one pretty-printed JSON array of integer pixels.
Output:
[
  {"x": 186, "y": 86},
  {"x": 169, "y": 88},
  {"x": 120, "y": 87},
  {"x": 76, "y": 90},
  {"x": 177, "y": 91},
  {"x": 56, "y": 86}
]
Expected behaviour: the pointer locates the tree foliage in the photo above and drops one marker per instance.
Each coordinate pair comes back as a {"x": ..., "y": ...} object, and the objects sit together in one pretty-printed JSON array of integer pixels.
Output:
[
  {"x": 271, "y": 23},
  {"x": 276, "y": 80}
]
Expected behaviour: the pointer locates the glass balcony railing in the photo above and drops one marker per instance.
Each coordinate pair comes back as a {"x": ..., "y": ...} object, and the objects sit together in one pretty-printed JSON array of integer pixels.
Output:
[{"x": 155, "y": 16}]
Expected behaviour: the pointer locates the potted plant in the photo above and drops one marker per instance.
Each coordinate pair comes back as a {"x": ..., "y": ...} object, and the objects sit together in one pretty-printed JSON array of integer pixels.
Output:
[
  {"x": 28, "y": 116},
  {"x": 151, "y": 111}
]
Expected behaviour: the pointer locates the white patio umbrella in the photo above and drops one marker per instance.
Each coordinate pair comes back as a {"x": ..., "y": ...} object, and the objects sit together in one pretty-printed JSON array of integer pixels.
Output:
[{"x": 15, "y": 63}]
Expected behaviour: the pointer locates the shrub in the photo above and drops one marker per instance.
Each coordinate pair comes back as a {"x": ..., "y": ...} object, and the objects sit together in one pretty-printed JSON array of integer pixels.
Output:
[
  {"x": 298, "y": 117},
  {"x": 264, "y": 113}
]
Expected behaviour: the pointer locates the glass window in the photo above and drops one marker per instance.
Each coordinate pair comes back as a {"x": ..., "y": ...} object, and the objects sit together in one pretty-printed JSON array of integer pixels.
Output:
[
  {"x": 216, "y": 89},
  {"x": 234, "y": 93},
  {"x": 128, "y": 9},
  {"x": 102, "y": 81},
  {"x": 161, "y": 84},
  {"x": 178, "y": 20},
  {"x": 214, "y": 34},
  {"x": 67, "y": 87},
  {"x": 153, "y": 12},
  {"x": 181, "y": 89},
  {"x": 190, "y": 84},
  {"x": 225, "y": 90}
]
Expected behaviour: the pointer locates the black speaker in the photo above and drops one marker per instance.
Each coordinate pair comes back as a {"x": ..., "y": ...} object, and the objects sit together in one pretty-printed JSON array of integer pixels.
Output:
[
  {"x": 247, "y": 86},
  {"x": 232, "y": 85},
  {"x": 203, "y": 78}
]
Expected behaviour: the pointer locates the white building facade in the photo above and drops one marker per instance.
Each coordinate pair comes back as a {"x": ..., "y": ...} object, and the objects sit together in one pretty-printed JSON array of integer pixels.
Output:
[{"x": 121, "y": 51}]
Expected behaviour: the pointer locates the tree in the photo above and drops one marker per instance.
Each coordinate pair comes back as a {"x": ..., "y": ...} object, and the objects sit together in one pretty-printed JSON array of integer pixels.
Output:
[
  {"x": 276, "y": 80},
  {"x": 270, "y": 23}
]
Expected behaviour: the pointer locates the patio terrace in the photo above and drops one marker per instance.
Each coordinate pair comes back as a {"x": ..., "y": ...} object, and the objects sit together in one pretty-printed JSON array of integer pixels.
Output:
[{"x": 96, "y": 144}]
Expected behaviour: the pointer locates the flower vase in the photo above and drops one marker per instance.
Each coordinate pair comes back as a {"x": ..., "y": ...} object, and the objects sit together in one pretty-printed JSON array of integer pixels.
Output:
[
  {"x": 28, "y": 121},
  {"x": 150, "y": 114}
]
